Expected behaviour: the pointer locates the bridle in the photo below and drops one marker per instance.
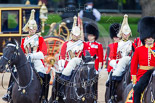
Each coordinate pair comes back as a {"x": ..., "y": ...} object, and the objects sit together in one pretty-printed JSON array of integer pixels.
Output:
[
  {"x": 84, "y": 83},
  {"x": 9, "y": 61}
]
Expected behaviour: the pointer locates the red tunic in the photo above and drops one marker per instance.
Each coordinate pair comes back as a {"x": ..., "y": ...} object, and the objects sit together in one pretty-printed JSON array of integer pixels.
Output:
[
  {"x": 112, "y": 55},
  {"x": 96, "y": 48},
  {"x": 65, "y": 56},
  {"x": 140, "y": 58},
  {"x": 41, "y": 47}
]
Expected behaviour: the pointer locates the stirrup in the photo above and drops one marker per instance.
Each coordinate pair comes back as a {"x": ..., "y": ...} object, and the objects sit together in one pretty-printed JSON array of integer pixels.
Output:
[{"x": 6, "y": 97}]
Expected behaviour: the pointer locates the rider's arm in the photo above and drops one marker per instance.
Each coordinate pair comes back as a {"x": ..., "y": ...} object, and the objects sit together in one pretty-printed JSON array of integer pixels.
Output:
[{"x": 134, "y": 65}]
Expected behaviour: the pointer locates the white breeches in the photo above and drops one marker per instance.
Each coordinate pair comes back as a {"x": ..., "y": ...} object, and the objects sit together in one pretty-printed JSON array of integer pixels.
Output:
[
  {"x": 71, "y": 65},
  {"x": 123, "y": 62}
]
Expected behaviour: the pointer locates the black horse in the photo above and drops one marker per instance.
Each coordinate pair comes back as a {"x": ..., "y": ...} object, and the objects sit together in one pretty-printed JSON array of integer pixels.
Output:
[
  {"x": 119, "y": 88},
  {"x": 81, "y": 87},
  {"x": 27, "y": 87}
]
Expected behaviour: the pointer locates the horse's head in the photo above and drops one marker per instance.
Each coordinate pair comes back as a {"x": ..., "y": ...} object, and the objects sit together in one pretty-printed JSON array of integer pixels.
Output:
[
  {"x": 88, "y": 66},
  {"x": 9, "y": 56},
  {"x": 88, "y": 58}
]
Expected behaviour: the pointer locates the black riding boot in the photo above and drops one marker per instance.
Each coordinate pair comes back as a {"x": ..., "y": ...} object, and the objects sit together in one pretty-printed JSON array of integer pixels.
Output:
[
  {"x": 7, "y": 96},
  {"x": 141, "y": 85},
  {"x": 46, "y": 88},
  {"x": 95, "y": 88},
  {"x": 109, "y": 79},
  {"x": 112, "y": 89}
]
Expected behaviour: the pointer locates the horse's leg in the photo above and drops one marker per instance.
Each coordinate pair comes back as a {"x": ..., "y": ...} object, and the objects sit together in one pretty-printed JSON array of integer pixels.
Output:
[{"x": 107, "y": 94}]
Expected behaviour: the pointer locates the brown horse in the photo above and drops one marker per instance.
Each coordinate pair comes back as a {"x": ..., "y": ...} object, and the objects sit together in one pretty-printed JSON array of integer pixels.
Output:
[
  {"x": 120, "y": 87},
  {"x": 149, "y": 92},
  {"x": 27, "y": 87},
  {"x": 80, "y": 88}
]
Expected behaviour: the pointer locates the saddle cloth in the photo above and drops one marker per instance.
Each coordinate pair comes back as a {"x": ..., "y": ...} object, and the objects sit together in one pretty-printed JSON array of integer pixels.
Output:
[{"x": 130, "y": 96}]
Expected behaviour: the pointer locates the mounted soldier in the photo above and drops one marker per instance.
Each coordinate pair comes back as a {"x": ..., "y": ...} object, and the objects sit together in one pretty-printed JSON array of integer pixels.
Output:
[
  {"x": 35, "y": 48},
  {"x": 111, "y": 50},
  {"x": 95, "y": 48},
  {"x": 123, "y": 50},
  {"x": 70, "y": 55},
  {"x": 143, "y": 60}
]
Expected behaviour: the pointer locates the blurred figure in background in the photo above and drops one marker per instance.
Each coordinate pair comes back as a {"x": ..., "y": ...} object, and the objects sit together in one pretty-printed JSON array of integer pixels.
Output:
[
  {"x": 89, "y": 15},
  {"x": 111, "y": 49}
]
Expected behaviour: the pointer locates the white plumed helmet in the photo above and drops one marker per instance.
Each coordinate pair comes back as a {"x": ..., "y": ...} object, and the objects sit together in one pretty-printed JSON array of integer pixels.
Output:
[
  {"x": 31, "y": 22},
  {"x": 76, "y": 31},
  {"x": 125, "y": 29}
]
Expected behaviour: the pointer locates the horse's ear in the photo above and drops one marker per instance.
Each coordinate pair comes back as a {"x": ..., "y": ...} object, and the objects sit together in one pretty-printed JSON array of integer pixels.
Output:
[
  {"x": 94, "y": 57},
  {"x": 83, "y": 57},
  {"x": 17, "y": 45},
  {"x": 13, "y": 40}
]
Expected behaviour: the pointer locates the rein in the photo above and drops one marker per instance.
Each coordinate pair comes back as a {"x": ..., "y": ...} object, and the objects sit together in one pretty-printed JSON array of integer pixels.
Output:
[
  {"x": 23, "y": 87},
  {"x": 84, "y": 84}
]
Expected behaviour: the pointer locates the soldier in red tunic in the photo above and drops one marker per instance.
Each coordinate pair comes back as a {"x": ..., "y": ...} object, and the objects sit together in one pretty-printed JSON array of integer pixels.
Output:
[
  {"x": 124, "y": 50},
  {"x": 72, "y": 48},
  {"x": 111, "y": 49},
  {"x": 143, "y": 60},
  {"x": 70, "y": 56},
  {"x": 94, "y": 47},
  {"x": 122, "y": 55}
]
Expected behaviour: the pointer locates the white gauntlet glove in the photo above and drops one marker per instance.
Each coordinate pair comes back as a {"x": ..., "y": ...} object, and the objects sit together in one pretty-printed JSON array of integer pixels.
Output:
[
  {"x": 99, "y": 69},
  {"x": 61, "y": 64}
]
